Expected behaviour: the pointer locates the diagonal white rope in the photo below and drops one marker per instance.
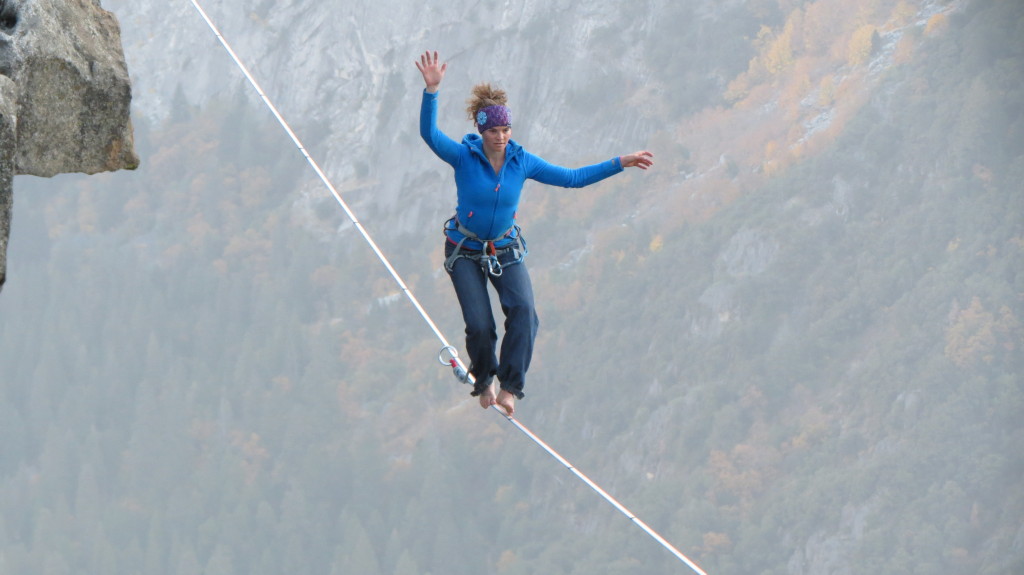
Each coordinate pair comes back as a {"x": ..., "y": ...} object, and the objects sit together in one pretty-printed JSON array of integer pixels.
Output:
[
  {"x": 622, "y": 509},
  {"x": 319, "y": 172},
  {"x": 412, "y": 298}
]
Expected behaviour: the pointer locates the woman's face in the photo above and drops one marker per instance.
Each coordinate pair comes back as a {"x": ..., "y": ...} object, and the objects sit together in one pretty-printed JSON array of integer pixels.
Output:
[{"x": 496, "y": 138}]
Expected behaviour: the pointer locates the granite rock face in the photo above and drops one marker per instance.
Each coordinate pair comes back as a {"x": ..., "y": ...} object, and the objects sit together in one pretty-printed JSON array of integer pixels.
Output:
[
  {"x": 8, "y": 144},
  {"x": 65, "y": 95}
]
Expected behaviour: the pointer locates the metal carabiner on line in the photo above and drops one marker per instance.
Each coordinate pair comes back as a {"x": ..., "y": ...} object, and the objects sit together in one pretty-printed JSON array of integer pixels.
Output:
[{"x": 453, "y": 361}]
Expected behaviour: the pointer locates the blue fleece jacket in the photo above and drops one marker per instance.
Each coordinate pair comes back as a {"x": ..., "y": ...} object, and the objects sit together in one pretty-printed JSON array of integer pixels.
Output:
[{"x": 488, "y": 201}]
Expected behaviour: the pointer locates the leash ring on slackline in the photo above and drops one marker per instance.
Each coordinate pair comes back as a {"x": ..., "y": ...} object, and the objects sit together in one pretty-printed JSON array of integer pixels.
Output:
[
  {"x": 452, "y": 352},
  {"x": 453, "y": 361}
]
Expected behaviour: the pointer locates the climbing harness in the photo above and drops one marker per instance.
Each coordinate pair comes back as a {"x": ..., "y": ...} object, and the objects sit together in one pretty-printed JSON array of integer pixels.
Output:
[
  {"x": 460, "y": 371},
  {"x": 489, "y": 257}
]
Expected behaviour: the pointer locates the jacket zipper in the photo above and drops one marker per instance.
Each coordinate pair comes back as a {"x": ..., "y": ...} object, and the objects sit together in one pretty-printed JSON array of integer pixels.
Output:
[{"x": 497, "y": 190}]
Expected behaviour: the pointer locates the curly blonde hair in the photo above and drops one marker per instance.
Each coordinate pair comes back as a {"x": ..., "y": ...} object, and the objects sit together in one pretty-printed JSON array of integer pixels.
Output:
[{"x": 484, "y": 95}]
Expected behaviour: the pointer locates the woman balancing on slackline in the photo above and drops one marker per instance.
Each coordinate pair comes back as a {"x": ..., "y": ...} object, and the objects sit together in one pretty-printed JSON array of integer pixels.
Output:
[{"x": 482, "y": 241}]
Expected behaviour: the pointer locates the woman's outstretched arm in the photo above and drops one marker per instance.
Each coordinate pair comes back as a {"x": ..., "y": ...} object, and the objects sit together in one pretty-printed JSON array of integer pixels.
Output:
[
  {"x": 551, "y": 174},
  {"x": 433, "y": 72}
]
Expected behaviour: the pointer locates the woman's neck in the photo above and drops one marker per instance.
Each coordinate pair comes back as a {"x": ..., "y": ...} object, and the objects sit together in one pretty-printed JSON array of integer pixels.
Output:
[{"x": 496, "y": 158}]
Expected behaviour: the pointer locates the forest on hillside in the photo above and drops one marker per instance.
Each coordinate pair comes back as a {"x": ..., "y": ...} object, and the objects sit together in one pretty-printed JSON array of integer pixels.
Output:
[{"x": 795, "y": 350}]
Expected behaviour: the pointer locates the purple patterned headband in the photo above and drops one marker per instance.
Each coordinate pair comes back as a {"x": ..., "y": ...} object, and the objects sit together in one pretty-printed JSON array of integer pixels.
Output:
[{"x": 492, "y": 116}]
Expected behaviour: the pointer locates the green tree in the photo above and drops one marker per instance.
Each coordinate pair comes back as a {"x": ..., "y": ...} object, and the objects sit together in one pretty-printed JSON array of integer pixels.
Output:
[
  {"x": 406, "y": 565},
  {"x": 187, "y": 563},
  {"x": 356, "y": 552},
  {"x": 221, "y": 562}
]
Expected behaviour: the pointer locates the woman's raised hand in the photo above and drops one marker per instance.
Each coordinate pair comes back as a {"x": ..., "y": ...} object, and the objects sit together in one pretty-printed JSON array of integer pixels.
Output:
[
  {"x": 432, "y": 71},
  {"x": 642, "y": 159}
]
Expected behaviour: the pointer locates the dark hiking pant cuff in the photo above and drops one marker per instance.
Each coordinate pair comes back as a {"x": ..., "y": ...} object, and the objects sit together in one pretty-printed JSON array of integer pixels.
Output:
[
  {"x": 480, "y": 386},
  {"x": 516, "y": 392}
]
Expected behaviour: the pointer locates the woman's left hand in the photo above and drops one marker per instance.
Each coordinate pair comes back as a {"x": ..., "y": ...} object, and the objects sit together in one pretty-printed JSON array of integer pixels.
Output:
[
  {"x": 432, "y": 69},
  {"x": 642, "y": 159}
]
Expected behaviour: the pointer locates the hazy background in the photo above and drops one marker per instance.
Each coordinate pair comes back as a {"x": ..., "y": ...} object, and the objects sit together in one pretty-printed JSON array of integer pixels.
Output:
[{"x": 793, "y": 347}]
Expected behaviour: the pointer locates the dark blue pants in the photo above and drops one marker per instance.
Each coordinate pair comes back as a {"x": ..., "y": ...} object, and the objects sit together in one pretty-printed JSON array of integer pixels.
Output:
[{"x": 515, "y": 294}]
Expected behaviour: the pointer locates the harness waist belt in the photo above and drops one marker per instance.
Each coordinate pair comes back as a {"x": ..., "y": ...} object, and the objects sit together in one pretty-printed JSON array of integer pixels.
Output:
[{"x": 488, "y": 255}]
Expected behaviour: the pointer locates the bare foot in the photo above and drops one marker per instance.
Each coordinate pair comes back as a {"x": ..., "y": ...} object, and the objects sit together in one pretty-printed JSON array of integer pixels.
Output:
[
  {"x": 487, "y": 397},
  {"x": 508, "y": 402}
]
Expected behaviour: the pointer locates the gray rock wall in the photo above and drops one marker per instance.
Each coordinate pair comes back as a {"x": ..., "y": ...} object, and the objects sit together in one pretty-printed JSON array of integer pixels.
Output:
[
  {"x": 8, "y": 142},
  {"x": 74, "y": 94},
  {"x": 65, "y": 95}
]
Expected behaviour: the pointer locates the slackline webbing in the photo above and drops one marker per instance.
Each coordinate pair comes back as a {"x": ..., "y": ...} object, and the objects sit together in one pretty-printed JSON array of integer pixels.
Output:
[{"x": 416, "y": 304}]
